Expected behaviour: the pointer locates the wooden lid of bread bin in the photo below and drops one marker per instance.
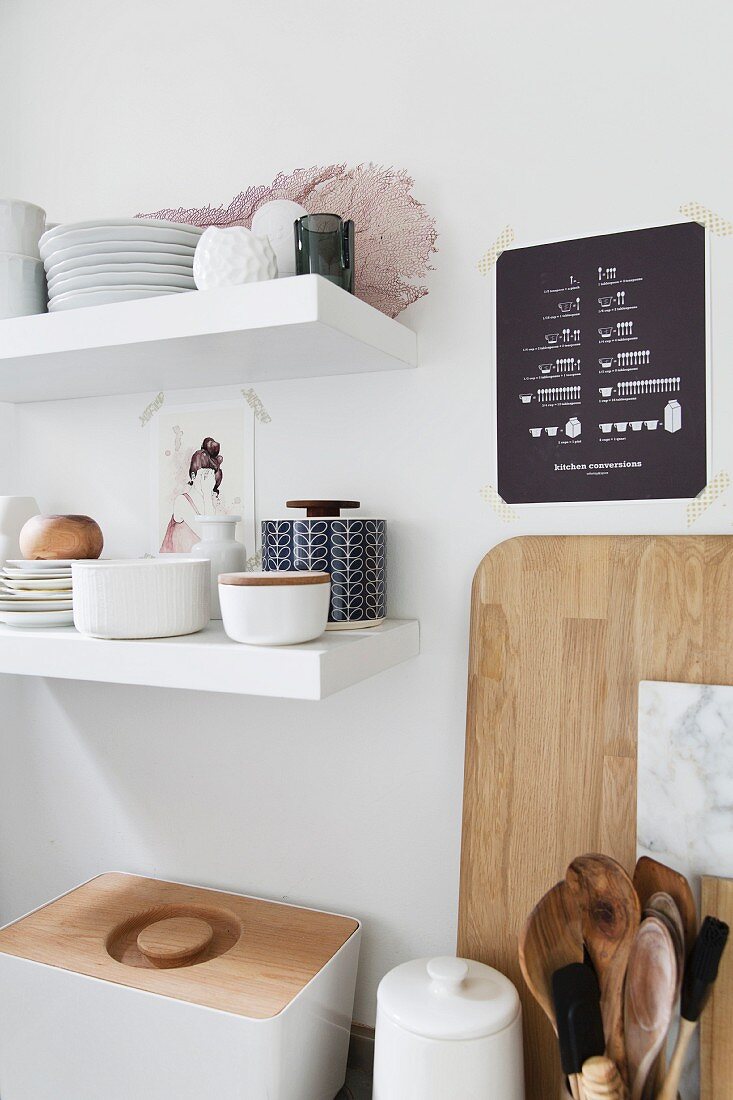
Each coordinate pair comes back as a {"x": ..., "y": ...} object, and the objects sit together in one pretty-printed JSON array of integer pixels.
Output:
[{"x": 229, "y": 952}]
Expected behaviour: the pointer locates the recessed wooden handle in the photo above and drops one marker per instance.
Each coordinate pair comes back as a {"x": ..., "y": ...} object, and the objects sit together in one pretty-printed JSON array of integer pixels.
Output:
[{"x": 175, "y": 941}]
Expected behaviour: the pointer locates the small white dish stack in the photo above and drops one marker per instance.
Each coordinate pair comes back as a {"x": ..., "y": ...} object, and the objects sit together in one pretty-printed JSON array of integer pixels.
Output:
[
  {"x": 36, "y": 593},
  {"x": 22, "y": 278},
  {"x": 117, "y": 260}
]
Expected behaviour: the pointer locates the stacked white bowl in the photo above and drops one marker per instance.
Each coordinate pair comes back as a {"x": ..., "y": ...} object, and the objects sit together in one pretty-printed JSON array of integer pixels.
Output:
[
  {"x": 22, "y": 278},
  {"x": 117, "y": 259}
]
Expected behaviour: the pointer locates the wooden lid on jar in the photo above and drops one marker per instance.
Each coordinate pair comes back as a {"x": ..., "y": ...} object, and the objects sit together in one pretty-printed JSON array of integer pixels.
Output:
[
  {"x": 225, "y": 951},
  {"x": 280, "y": 578}
]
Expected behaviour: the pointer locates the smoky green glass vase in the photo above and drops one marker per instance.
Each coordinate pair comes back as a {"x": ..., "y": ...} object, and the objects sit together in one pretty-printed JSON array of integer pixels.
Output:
[{"x": 324, "y": 245}]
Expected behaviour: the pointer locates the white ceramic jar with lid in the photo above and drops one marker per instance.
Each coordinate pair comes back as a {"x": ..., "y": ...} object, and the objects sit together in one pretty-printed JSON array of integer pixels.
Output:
[
  {"x": 274, "y": 608},
  {"x": 448, "y": 1027}
]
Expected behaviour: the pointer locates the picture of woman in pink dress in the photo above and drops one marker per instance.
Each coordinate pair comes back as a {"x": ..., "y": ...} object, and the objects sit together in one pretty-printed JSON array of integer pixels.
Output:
[{"x": 204, "y": 479}]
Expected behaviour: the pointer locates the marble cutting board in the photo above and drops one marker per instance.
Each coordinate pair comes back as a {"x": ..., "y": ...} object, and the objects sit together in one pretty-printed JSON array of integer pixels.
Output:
[{"x": 685, "y": 788}]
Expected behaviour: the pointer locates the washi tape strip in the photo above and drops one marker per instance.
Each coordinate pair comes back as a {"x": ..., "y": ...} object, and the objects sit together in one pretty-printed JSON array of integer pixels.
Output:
[
  {"x": 505, "y": 513},
  {"x": 489, "y": 258},
  {"x": 256, "y": 405},
  {"x": 708, "y": 496},
  {"x": 712, "y": 221},
  {"x": 149, "y": 412}
]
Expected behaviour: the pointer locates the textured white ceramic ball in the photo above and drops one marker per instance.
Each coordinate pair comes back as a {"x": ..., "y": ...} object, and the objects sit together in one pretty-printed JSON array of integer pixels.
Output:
[
  {"x": 274, "y": 220},
  {"x": 230, "y": 257}
]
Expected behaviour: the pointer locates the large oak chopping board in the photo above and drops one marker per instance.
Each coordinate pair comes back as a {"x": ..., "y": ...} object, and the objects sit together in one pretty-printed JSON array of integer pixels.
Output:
[{"x": 562, "y": 631}]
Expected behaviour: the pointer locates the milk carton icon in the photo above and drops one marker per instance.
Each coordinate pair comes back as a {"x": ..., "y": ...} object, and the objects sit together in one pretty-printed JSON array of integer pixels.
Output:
[
  {"x": 572, "y": 428},
  {"x": 672, "y": 416}
]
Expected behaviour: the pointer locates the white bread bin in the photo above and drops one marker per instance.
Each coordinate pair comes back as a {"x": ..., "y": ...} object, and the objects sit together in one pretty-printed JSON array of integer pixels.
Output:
[
  {"x": 448, "y": 1027},
  {"x": 131, "y": 988}
]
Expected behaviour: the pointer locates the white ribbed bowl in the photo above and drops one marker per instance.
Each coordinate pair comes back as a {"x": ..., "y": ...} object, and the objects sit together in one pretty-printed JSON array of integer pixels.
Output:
[
  {"x": 21, "y": 226},
  {"x": 152, "y": 598},
  {"x": 22, "y": 285}
]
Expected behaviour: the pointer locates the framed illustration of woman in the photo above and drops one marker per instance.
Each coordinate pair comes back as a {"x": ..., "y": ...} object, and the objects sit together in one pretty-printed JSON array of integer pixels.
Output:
[{"x": 205, "y": 467}]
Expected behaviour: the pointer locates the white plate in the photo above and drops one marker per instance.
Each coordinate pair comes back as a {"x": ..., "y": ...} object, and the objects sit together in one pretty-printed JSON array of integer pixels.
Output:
[
  {"x": 107, "y": 223},
  {"x": 38, "y": 618},
  {"x": 182, "y": 253},
  {"x": 46, "y": 574},
  {"x": 100, "y": 234},
  {"x": 89, "y": 263},
  {"x": 54, "y": 584},
  {"x": 24, "y": 607},
  {"x": 128, "y": 278},
  {"x": 114, "y": 267},
  {"x": 80, "y": 298},
  {"x": 34, "y": 565}
]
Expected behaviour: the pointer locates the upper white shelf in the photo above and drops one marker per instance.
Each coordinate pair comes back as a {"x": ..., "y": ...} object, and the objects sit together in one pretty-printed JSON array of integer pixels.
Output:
[
  {"x": 314, "y": 670},
  {"x": 301, "y": 327}
]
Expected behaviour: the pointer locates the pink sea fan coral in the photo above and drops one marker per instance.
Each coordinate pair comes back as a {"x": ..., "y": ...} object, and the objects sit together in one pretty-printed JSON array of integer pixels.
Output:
[{"x": 395, "y": 236}]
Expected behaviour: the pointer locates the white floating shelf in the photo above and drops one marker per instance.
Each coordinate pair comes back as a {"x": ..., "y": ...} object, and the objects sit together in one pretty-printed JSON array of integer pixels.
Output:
[
  {"x": 301, "y": 327},
  {"x": 311, "y": 671}
]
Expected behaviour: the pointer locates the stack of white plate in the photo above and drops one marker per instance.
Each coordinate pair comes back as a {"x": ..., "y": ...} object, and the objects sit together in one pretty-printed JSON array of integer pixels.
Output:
[
  {"x": 95, "y": 263},
  {"x": 36, "y": 593}
]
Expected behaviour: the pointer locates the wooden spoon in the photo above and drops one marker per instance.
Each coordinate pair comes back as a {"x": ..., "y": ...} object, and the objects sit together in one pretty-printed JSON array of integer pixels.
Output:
[
  {"x": 650, "y": 997},
  {"x": 610, "y": 915},
  {"x": 552, "y": 937},
  {"x": 664, "y": 907},
  {"x": 651, "y": 878}
]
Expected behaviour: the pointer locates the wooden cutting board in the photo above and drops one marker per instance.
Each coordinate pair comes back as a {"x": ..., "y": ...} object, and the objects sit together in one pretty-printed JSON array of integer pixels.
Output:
[
  {"x": 562, "y": 631},
  {"x": 716, "y": 1031}
]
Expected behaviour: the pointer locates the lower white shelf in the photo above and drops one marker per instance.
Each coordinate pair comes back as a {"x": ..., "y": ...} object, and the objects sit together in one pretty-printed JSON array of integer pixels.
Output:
[{"x": 311, "y": 671}]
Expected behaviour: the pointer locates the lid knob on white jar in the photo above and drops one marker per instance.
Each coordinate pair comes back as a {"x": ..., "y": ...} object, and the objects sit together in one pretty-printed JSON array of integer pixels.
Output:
[
  {"x": 448, "y": 973},
  {"x": 323, "y": 509}
]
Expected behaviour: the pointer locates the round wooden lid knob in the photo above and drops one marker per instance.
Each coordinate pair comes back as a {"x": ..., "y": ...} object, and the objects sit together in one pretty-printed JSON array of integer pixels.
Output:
[
  {"x": 174, "y": 941},
  {"x": 322, "y": 509}
]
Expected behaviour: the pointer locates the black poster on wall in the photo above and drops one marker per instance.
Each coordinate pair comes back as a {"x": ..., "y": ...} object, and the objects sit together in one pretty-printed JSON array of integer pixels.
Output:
[{"x": 601, "y": 368}]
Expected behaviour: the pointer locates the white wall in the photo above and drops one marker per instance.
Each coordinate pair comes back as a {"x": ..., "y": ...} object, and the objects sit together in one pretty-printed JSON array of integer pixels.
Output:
[{"x": 558, "y": 119}]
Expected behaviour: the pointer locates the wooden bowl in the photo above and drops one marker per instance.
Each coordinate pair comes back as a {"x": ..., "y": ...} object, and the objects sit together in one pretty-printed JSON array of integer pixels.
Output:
[{"x": 50, "y": 538}]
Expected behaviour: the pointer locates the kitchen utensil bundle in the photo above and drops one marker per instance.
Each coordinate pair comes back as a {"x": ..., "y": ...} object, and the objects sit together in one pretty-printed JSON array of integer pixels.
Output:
[
  {"x": 118, "y": 259},
  {"x": 178, "y": 992},
  {"x": 615, "y": 953},
  {"x": 447, "y": 1027},
  {"x": 352, "y": 549},
  {"x": 36, "y": 593},
  {"x": 22, "y": 278}
]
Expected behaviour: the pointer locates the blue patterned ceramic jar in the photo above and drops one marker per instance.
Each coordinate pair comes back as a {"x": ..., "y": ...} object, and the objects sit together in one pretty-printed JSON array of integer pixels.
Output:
[{"x": 353, "y": 551}]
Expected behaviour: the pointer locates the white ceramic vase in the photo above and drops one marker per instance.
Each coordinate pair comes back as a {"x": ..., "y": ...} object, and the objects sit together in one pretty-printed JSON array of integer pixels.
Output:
[
  {"x": 220, "y": 547},
  {"x": 275, "y": 220},
  {"x": 14, "y": 514},
  {"x": 230, "y": 257}
]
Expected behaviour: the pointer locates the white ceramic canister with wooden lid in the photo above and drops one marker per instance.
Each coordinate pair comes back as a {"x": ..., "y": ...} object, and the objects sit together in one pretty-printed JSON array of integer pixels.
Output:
[{"x": 448, "y": 1027}]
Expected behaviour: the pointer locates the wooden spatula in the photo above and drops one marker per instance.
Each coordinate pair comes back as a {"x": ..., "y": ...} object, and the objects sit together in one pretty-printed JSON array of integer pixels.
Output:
[
  {"x": 649, "y": 1000},
  {"x": 610, "y": 916},
  {"x": 651, "y": 877}
]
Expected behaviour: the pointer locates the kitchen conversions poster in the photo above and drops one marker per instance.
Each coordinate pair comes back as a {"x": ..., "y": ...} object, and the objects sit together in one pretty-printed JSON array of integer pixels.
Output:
[{"x": 601, "y": 368}]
